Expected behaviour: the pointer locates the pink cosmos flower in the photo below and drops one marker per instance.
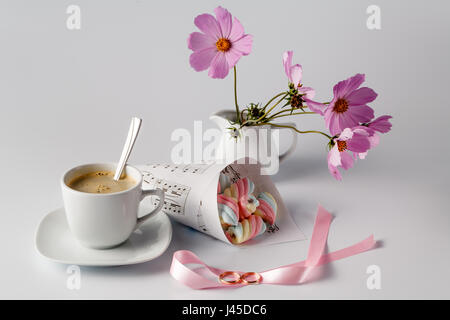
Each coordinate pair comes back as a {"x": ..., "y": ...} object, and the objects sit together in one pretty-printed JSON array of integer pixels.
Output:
[
  {"x": 294, "y": 74},
  {"x": 348, "y": 108},
  {"x": 374, "y": 140},
  {"x": 356, "y": 140},
  {"x": 220, "y": 45},
  {"x": 381, "y": 124}
]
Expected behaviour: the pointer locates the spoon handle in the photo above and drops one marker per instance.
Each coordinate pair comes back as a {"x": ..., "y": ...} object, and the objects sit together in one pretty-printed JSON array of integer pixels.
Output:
[{"x": 131, "y": 138}]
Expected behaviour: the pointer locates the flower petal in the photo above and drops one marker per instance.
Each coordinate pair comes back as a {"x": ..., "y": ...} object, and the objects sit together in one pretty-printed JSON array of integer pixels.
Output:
[
  {"x": 334, "y": 156},
  {"x": 333, "y": 123},
  {"x": 307, "y": 91},
  {"x": 358, "y": 143},
  {"x": 381, "y": 124},
  {"x": 374, "y": 140},
  {"x": 201, "y": 60},
  {"x": 314, "y": 106},
  {"x": 237, "y": 30},
  {"x": 340, "y": 122},
  {"x": 327, "y": 116},
  {"x": 209, "y": 25},
  {"x": 199, "y": 41},
  {"x": 347, "y": 160},
  {"x": 360, "y": 114},
  {"x": 225, "y": 21},
  {"x": 361, "y": 96},
  {"x": 333, "y": 170},
  {"x": 219, "y": 66},
  {"x": 344, "y": 87},
  {"x": 287, "y": 63},
  {"x": 346, "y": 134},
  {"x": 362, "y": 155},
  {"x": 296, "y": 74},
  {"x": 232, "y": 57},
  {"x": 364, "y": 130},
  {"x": 244, "y": 44}
]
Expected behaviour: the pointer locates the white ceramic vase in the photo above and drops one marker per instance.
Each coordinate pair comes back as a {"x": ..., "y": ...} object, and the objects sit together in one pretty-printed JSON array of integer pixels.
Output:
[{"x": 261, "y": 143}]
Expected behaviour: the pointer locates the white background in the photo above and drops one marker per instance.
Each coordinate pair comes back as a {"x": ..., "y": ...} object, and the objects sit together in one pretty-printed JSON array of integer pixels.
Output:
[{"x": 66, "y": 97}]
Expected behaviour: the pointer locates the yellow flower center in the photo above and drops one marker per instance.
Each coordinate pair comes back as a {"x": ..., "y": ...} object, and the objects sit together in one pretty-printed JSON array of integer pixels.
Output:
[
  {"x": 342, "y": 146},
  {"x": 340, "y": 106},
  {"x": 223, "y": 44}
]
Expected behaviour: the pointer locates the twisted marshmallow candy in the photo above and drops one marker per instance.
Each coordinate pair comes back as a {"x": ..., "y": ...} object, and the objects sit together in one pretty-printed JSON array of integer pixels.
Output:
[{"x": 243, "y": 216}]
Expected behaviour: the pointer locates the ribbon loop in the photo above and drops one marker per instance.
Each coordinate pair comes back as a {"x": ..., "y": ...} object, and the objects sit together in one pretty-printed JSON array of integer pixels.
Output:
[{"x": 295, "y": 273}]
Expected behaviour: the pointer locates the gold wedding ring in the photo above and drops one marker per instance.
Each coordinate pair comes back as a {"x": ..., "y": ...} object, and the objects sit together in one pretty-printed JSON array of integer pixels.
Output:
[
  {"x": 235, "y": 279},
  {"x": 245, "y": 278}
]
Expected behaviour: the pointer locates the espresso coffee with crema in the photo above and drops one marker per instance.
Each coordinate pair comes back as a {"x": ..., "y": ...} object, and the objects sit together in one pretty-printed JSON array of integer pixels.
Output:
[{"x": 101, "y": 182}]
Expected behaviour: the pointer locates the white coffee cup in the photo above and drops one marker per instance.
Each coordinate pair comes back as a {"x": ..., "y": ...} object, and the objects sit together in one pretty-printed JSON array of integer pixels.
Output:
[{"x": 105, "y": 220}]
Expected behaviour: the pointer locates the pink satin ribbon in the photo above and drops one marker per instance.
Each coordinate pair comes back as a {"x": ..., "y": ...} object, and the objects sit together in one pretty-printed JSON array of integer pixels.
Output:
[{"x": 295, "y": 273}]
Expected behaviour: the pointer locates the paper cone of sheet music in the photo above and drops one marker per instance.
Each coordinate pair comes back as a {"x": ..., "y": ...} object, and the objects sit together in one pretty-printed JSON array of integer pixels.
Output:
[{"x": 191, "y": 196}]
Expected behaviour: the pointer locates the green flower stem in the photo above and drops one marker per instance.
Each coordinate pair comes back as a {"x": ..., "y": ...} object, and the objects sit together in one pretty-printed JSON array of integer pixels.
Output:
[
  {"x": 290, "y": 110},
  {"x": 275, "y": 115},
  {"x": 271, "y": 108},
  {"x": 278, "y": 102},
  {"x": 238, "y": 114},
  {"x": 242, "y": 115},
  {"x": 267, "y": 112},
  {"x": 295, "y": 129},
  {"x": 287, "y": 115},
  {"x": 270, "y": 101},
  {"x": 282, "y": 111}
]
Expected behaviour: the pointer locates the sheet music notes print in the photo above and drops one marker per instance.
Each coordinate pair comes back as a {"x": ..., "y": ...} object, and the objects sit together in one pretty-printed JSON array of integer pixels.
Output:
[
  {"x": 188, "y": 168},
  {"x": 231, "y": 173},
  {"x": 272, "y": 229},
  {"x": 175, "y": 193}
]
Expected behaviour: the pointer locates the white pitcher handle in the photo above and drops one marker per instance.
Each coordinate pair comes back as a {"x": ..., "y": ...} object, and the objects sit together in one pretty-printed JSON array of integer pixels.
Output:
[
  {"x": 145, "y": 193},
  {"x": 293, "y": 145}
]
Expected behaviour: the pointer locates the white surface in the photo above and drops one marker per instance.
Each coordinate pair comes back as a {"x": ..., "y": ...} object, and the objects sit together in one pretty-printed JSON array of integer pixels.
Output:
[
  {"x": 55, "y": 242},
  {"x": 71, "y": 91}
]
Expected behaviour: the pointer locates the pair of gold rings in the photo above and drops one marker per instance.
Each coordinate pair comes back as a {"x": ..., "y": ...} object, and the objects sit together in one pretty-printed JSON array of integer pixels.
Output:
[{"x": 232, "y": 277}]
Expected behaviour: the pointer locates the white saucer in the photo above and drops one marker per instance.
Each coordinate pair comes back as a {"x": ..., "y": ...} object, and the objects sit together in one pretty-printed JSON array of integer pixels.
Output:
[{"x": 55, "y": 242}]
